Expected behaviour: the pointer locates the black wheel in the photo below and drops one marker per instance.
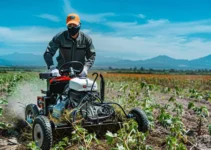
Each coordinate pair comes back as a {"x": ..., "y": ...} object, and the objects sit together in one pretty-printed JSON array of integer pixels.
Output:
[
  {"x": 42, "y": 132},
  {"x": 31, "y": 112},
  {"x": 141, "y": 119}
]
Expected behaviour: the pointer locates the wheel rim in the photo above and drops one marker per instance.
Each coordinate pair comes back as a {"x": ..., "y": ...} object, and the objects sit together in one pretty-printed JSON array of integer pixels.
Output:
[{"x": 38, "y": 135}]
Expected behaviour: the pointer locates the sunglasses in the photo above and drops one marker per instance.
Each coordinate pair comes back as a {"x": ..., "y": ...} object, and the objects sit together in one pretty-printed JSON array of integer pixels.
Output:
[{"x": 73, "y": 26}]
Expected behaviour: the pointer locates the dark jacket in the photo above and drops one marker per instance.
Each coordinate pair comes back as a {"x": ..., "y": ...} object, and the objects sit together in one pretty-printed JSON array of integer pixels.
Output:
[{"x": 80, "y": 49}]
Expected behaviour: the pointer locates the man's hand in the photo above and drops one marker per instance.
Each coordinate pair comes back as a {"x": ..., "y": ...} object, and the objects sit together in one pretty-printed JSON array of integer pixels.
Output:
[
  {"x": 54, "y": 71},
  {"x": 84, "y": 72}
]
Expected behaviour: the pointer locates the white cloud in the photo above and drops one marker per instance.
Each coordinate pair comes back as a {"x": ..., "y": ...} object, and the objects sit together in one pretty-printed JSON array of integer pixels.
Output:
[
  {"x": 97, "y": 18},
  {"x": 27, "y": 34},
  {"x": 161, "y": 27},
  {"x": 146, "y": 47},
  {"x": 130, "y": 40},
  {"x": 121, "y": 25},
  {"x": 141, "y": 16},
  {"x": 157, "y": 22},
  {"x": 91, "y": 18},
  {"x": 68, "y": 7},
  {"x": 49, "y": 17},
  {"x": 133, "y": 40}
]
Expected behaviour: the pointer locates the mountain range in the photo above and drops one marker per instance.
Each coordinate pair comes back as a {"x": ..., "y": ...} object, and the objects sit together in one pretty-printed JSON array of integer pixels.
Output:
[{"x": 159, "y": 62}]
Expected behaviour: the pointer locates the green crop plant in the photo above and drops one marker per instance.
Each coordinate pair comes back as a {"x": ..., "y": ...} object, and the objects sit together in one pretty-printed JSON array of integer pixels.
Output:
[
  {"x": 132, "y": 98},
  {"x": 2, "y": 102},
  {"x": 178, "y": 108},
  {"x": 110, "y": 85},
  {"x": 7, "y": 84},
  {"x": 82, "y": 137},
  {"x": 166, "y": 90},
  {"x": 166, "y": 106},
  {"x": 128, "y": 138},
  {"x": 195, "y": 94},
  {"x": 177, "y": 91},
  {"x": 191, "y": 105},
  {"x": 164, "y": 118},
  {"x": 62, "y": 144},
  {"x": 1, "y": 110},
  {"x": 172, "y": 99},
  {"x": 32, "y": 146},
  {"x": 177, "y": 129},
  {"x": 207, "y": 96},
  {"x": 149, "y": 112},
  {"x": 209, "y": 129},
  {"x": 202, "y": 112},
  {"x": 124, "y": 88},
  {"x": 172, "y": 143}
]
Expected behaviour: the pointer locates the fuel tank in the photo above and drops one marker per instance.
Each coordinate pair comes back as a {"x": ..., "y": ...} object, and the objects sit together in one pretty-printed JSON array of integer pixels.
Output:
[{"x": 82, "y": 84}]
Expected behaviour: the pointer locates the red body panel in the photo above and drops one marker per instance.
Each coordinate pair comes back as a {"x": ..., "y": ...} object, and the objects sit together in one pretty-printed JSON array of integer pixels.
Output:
[{"x": 62, "y": 78}]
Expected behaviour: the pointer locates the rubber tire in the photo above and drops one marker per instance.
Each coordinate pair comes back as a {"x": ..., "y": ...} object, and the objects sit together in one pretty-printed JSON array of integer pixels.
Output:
[
  {"x": 141, "y": 119},
  {"x": 33, "y": 108},
  {"x": 45, "y": 124}
]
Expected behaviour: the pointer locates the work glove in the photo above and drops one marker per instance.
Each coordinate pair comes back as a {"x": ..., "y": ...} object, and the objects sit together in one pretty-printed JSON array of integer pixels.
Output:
[
  {"x": 54, "y": 71},
  {"x": 84, "y": 72}
]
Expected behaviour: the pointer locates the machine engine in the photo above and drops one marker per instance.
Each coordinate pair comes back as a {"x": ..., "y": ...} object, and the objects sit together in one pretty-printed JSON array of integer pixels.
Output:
[
  {"x": 89, "y": 110},
  {"x": 96, "y": 112},
  {"x": 82, "y": 92}
]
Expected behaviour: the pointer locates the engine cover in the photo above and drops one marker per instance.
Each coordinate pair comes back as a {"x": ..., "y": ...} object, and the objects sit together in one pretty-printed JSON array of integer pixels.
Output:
[{"x": 82, "y": 84}]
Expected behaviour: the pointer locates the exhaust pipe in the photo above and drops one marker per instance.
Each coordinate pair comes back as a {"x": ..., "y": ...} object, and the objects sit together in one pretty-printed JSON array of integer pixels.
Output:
[{"x": 102, "y": 88}]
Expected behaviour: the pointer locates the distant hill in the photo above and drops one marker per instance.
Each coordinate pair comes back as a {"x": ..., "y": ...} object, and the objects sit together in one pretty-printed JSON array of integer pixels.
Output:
[
  {"x": 5, "y": 63},
  {"x": 159, "y": 62},
  {"x": 22, "y": 59},
  {"x": 204, "y": 62},
  {"x": 103, "y": 61}
]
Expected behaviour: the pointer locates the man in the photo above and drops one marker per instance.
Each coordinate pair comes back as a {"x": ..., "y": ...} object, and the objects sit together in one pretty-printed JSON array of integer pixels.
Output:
[{"x": 73, "y": 45}]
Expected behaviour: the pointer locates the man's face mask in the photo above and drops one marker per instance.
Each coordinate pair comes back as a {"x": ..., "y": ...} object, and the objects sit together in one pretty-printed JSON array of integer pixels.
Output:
[{"x": 73, "y": 30}]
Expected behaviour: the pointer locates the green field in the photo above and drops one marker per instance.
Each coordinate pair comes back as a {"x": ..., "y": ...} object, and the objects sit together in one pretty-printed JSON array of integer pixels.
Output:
[{"x": 177, "y": 107}]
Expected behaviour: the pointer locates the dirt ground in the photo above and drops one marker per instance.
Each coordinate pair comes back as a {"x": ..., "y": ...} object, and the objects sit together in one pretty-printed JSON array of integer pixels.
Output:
[{"x": 157, "y": 136}]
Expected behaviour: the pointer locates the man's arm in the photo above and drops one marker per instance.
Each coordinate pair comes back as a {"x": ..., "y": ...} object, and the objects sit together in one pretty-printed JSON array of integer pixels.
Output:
[
  {"x": 90, "y": 53},
  {"x": 51, "y": 50}
]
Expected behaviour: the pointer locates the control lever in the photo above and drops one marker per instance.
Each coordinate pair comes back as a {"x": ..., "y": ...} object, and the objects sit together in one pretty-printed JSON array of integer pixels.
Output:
[{"x": 72, "y": 73}]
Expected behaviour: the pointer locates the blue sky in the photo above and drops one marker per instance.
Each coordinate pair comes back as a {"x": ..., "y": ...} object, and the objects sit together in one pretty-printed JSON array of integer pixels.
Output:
[{"x": 128, "y": 29}]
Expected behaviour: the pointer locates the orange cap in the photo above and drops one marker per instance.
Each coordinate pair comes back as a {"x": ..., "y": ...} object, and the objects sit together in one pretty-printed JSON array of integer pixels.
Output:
[{"x": 73, "y": 18}]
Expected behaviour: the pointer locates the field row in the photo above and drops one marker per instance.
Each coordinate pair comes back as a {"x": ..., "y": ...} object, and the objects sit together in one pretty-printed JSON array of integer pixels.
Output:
[{"x": 177, "y": 107}]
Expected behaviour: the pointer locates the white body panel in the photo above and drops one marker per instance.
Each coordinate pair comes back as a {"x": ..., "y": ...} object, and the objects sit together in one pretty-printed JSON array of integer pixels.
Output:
[{"x": 80, "y": 84}]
